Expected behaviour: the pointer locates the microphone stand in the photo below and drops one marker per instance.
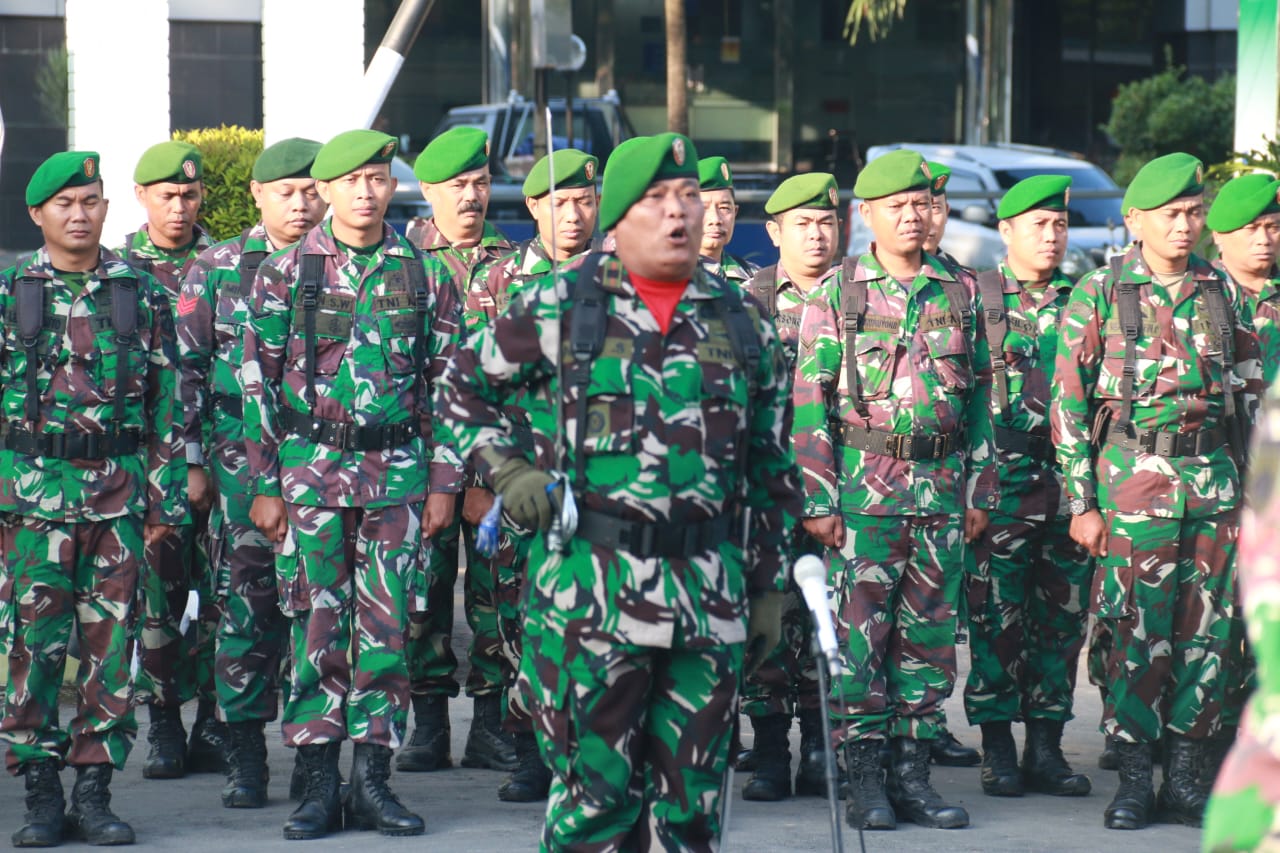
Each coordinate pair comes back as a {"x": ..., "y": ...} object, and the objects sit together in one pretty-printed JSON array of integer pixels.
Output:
[{"x": 833, "y": 792}]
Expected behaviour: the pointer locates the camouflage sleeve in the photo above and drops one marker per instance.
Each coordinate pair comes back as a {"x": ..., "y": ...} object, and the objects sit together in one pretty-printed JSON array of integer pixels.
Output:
[
  {"x": 195, "y": 350},
  {"x": 480, "y": 307},
  {"x": 166, "y": 459},
  {"x": 1248, "y": 357},
  {"x": 262, "y": 372},
  {"x": 816, "y": 381},
  {"x": 982, "y": 487},
  {"x": 445, "y": 469},
  {"x": 1075, "y": 375}
]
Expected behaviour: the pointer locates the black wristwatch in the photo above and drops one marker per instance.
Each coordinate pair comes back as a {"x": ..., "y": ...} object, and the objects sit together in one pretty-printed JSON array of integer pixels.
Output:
[{"x": 1079, "y": 506}]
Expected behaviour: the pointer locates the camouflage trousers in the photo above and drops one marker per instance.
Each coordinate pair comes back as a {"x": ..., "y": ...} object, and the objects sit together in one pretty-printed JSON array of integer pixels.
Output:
[
  {"x": 509, "y": 565},
  {"x": 177, "y": 667},
  {"x": 432, "y": 663},
  {"x": 787, "y": 680},
  {"x": 1028, "y": 597},
  {"x": 348, "y": 577},
  {"x": 1165, "y": 596},
  {"x": 638, "y": 744},
  {"x": 898, "y": 583},
  {"x": 58, "y": 576}
]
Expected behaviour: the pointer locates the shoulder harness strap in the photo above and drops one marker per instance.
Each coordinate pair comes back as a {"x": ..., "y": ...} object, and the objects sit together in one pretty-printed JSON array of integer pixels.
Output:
[
  {"x": 1131, "y": 327},
  {"x": 745, "y": 342},
  {"x": 310, "y": 282},
  {"x": 853, "y": 303},
  {"x": 124, "y": 320},
  {"x": 586, "y": 339},
  {"x": 991, "y": 288},
  {"x": 29, "y": 293},
  {"x": 249, "y": 263},
  {"x": 1222, "y": 336},
  {"x": 764, "y": 287},
  {"x": 422, "y": 307}
]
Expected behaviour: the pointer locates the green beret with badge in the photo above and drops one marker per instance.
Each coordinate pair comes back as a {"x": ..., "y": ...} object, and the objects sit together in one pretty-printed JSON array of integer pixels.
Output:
[
  {"x": 1038, "y": 192},
  {"x": 1242, "y": 200},
  {"x": 941, "y": 174},
  {"x": 573, "y": 169},
  {"x": 288, "y": 158},
  {"x": 898, "y": 171},
  {"x": 457, "y": 150},
  {"x": 64, "y": 169},
  {"x": 816, "y": 190},
  {"x": 171, "y": 162},
  {"x": 637, "y": 163},
  {"x": 1162, "y": 180},
  {"x": 714, "y": 174},
  {"x": 350, "y": 150}
]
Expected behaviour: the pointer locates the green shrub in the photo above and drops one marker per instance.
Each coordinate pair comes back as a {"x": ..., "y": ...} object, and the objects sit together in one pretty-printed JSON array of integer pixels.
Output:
[{"x": 229, "y": 152}]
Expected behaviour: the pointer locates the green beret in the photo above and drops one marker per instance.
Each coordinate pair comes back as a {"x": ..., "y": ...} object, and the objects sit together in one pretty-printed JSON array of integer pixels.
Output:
[
  {"x": 941, "y": 174},
  {"x": 288, "y": 158},
  {"x": 574, "y": 169},
  {"x": 457, "y": 150},
  {"x": 64, "y": 169},
  {"x": 637, "y": 163},
  {"x": 1162, "y": 180},
  {"x": 350, "y": 150},
  {"x": 714, "y": 174},
  {"x": 173, "y": 162},
  {"x": 895, "y": 172},
  {"x": 1242, "y": 200},
  {"x": 1038, "y": 192},
  {"x": 817, "y": 190}
]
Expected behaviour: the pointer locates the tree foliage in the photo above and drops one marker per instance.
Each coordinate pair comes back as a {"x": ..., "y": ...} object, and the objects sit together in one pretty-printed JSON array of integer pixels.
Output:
[
  {"x": 228, "y": 152},
  {"x": 52, "y": 87},
  {"x": 877, "y": 15}
]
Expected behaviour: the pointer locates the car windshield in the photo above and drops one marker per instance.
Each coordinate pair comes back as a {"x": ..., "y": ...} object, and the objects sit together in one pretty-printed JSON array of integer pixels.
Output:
[{"x": 1084, "y": 212}]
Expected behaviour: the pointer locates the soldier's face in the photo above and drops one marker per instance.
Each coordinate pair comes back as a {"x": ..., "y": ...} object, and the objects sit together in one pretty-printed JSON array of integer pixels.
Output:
[
  {"x": 719, "y": 217},
  {"x": 659, "y": 235},
  {"x": 1036, "y": 240},
  {"x": 72, "y": 220},
  {"x": 1169, "y": 232},
  {"x": 359, "y": 199},
  {"x": 941, "y": 212},
  {"x": 899, "y": 222},
  {"x": 1252, "y": 248},
  {"x": 290, "y": 208},
  {"x": 460, "y": 203},
  {"x": 806, "y": 239},
  {"x": 574, "y": 222},
  {"x": 171, "y": 211}
]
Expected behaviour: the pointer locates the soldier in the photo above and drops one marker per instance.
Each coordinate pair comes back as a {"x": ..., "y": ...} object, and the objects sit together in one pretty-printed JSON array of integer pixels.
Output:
[
  {"x": 168, "y": 184},
  {"x": 1028, "y": 591},
  {"x": 453, "y": 172},
  {"x": 893, "y": 433},
  {"x": 634, "y": 632},
  {"x": 212, "y": 315},
  {"x": 1156, "y": 377},
  {"x": 347, "y": 332},
  {"x": 715, "y": 182},
  {"x": 90, "y": 470},
  {"x": 805, "y": 227}
]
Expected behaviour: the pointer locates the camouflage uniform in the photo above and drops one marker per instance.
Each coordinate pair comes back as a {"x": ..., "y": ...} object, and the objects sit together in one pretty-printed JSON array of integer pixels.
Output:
[
  {"x": 1165, "y": 591},
  {"x": 72, "y": 527},
  {"x": 899, "y": 576},
  {"x": 1028, "y": 591},
  {"x": 631, "y": 662},
  {"x": 731, "y": 269},
  {"x": 350, "y": 568}
]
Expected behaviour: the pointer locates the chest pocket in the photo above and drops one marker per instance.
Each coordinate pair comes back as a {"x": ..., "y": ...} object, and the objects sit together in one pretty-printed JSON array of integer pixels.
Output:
[
  {"x": 724, "y": 392},
  {"x": 611, "y": 409},
  {"x": 876, "y": 351},
  {"x": 1149, "y": 351},
  {"x": 49, "y": 340},
  {"x": 948, "y": 352},
  {"x": 398, "y": 329},
  {"x": 335, "y": 314}
]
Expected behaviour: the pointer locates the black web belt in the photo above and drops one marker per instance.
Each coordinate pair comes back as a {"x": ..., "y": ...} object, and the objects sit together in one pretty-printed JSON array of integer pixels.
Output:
[
  {"x": 70, "y": 445},
  {"x": 899, "y": 445},
  {"x": 1169, "y": 444},
  {"x": 1026, "y": 443},
  {"x": 346, "y": 435},
  {"x": 647, "y": 539}
]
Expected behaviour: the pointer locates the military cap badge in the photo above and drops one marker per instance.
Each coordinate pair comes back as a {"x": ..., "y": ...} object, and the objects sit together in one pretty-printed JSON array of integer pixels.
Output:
[
  {"x": 924, "y": 167},
  {"x": 1199, "y": 174},
  {"x": 388, "y": 148},
  {"x": 189, "y": 169},
  {"x": 89, "y": 167},
  {"x": 677, "y": 151},
  {"x": 589, "y": 169},
  {"x": 724, "y": 170},
  {"x": 1066, "y": 196},
  {"x": 834, "y": 196},
  {"x": 939, "y": 182}
]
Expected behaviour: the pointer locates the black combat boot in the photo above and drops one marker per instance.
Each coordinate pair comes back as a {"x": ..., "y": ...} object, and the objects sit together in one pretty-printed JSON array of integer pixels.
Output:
[
  {"x": 1134, "y": 801},
  {"x": 428, "y": 747},
  {"x": 370, "y": 803},
  {"x": 532, "y": 779},
  {"x": 913, "y": 798},
  {"x": 320, "y": 811},
  {"x": 207, "y": 750},
  {"x": 742, "y": 759},
  {"x": 167, "y": 740},
  {"x": 45, "y": 806},
  {"x": 1184, "y": 793},
  {"x": 1000, "y": 776},
  {"x": 90, "y": 817},
  {"x": 247, "y": 775},
  {"x": 771, "y": 780},
  {"x": 488, "y": 746},
  {"x": 946, "y": 751},
  {"x": 1044, "y": 768},
  {"x": 811, "y": 775},
  {"x": 1109, "y": 758},
  {"x": 868, "y": 806},
  {"x": 298, "y": 779}
]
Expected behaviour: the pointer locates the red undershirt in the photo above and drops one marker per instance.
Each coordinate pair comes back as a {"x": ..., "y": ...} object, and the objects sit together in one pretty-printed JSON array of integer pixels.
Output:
[{"x": 661, "y": 297}]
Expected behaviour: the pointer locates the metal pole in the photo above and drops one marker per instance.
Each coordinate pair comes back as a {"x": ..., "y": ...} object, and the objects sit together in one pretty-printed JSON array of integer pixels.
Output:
[{"x": 389, "y": 57}]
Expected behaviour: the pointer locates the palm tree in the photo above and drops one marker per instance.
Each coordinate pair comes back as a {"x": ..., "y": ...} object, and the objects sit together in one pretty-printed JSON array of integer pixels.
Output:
[
  {"x": 878, "y": 15},
  {"x": 677, "y": 70}
]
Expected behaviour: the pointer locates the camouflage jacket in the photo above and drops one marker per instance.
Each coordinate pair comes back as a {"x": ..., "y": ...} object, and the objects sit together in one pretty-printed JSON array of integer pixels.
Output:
[
  {"x": 493, "y": 244},
  {"x": 494, "y": 282},
  {"x": 730, "y": 268},
  {"x": 77, "y": 387},
  {"x": 919, "y": 373},
  {"x": 788, "y": 309},
  {"x": 364, "y": 374},
  {"x": 1030, "y": 488},
  {"x": 1263, "y": 308},
  {"x": 667, "y": 415},
  {"x": 168, "y": 267},
  {"x": 1178, "y": 387}
]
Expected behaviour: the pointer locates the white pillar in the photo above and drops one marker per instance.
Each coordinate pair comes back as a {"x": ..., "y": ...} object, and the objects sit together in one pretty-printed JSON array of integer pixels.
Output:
[
  {"x": 312, "y": 67},
  {"x": 118, "y": 81}
]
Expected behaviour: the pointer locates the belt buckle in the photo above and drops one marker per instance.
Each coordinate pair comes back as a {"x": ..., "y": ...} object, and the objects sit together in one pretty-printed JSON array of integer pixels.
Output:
[
  {"x": 1147, "y": 441},
  {"x": 1167, "y": 444},
  {"x": 645, "y": 539},
  {"x": 342, "y": 435},
  {"x": 91, "y": 445},
  {"x": 57, "y": 444},
  {"x": 939, "y": 446},
  {"x": 896, "y": 442}
]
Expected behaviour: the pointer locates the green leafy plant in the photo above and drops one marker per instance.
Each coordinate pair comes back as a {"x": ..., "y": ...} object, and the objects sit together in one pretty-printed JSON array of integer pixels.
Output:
[
  {"x": 877, "y": 15},
  {"x": 51, "y": 87},
  {"x": 1266, "y": 159},
  {"x": 228, "y": 152}
]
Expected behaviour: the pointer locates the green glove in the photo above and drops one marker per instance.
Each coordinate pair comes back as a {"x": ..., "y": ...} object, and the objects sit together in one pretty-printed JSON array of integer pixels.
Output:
[
  {"x": 524, "y": 494},
  {"x": 764, "y": 628}
]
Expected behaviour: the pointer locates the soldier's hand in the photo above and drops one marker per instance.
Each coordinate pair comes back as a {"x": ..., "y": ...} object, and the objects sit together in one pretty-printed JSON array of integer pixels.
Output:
[
  {"x": 524, "y": 494},
  {"x": 827, "y": 529},
  {"x": 764, "y": 628},
  {"x": 476, "y": 501},
  {"x": 975, "y": 522},
  {"x": 437, "y": 513},
  {"x": 199, "y": 491},
  {"x": 269, "y": 515},
  {"x": 1090, "y": 531},
  {"x": 153, "y": 533}
]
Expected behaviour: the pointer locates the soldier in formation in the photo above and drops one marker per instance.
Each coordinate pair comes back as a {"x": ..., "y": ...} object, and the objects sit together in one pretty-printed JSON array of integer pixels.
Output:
[{"x": 720, "y": 214}]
